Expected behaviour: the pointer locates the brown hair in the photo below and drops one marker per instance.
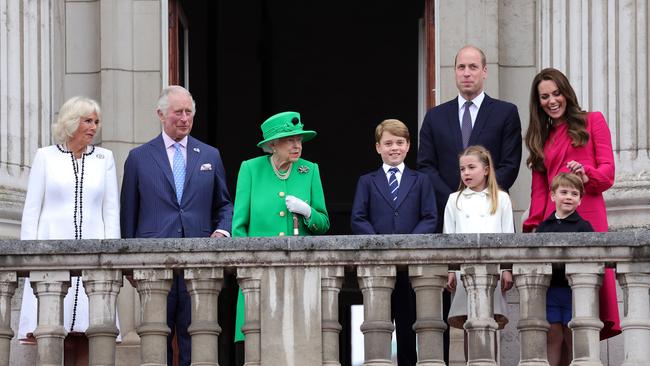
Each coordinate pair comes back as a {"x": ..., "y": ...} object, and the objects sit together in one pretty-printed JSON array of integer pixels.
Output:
[
  {"x": 540, "y": 125},
  {"x": 393, "y": 126},
  {"x": 568, "y": 180},
  {"x": 485, "y": 158}
]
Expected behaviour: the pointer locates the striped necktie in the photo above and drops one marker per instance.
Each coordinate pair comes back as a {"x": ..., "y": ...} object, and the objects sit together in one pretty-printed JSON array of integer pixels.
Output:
[{"x": 392, "y": 183}]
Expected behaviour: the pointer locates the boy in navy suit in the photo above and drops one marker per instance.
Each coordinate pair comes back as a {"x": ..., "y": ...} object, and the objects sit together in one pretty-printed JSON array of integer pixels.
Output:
[{"x": 396, "y": 200}]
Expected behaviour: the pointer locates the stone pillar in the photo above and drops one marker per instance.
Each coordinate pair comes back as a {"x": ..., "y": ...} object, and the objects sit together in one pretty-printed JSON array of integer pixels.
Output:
[
  {"x": 331, "y": 281},
  {"x": 153, "y": 287},
  {"x": 376, "y": 284},
  {"x": 7, "y": 287},
  {"x": 428, "y": 282},
  {"x": 480, "y": 280},
  {"x": 585, "y": 280},
  {"x": 635, "y": 281},
  {"x": 532, "y": 281},
  {"x": 50, "y": 287},
  {"x": 204, "y": 285},
  {"x": 249, "y": 281},
  {"x": 102, "y": 287}
]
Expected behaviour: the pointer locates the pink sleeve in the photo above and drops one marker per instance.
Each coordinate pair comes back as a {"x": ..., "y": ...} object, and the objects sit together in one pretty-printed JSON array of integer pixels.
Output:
[
  {"x": 601, "y": 176},
  {"x": 538, "y": 200}
]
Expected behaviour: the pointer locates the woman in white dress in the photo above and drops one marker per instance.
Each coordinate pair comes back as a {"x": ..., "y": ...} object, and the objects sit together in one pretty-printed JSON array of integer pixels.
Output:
[{"x": 72, "y": 194}]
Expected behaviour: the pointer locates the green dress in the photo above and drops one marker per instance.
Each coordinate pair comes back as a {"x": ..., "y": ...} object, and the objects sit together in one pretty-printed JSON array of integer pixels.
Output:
[{"x": 260, "y": 208}]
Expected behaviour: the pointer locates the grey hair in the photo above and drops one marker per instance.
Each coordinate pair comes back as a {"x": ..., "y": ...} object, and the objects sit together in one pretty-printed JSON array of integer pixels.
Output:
[
  {"x": 268, "y": 146},
  {"x": 70, "y": 113},
  {"x": 163, "y": 100}
]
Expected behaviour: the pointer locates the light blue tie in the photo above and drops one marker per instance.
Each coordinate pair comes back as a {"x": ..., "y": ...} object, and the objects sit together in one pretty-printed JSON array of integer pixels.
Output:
[
  {"x": 179, "y": 171},
  {"x": 392, "y": 183}
]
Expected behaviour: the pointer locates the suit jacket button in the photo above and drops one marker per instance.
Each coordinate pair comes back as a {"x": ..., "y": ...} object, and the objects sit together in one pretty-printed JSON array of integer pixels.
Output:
[
  {"x": 396, "y": 213},
  {"x": 281, "y": 213},
  {"x": 281, "y": 194},
  {"x": 181, "y": 210},
  {"x": 179, "y": 230},
  {"x": 281, "y": 233}
]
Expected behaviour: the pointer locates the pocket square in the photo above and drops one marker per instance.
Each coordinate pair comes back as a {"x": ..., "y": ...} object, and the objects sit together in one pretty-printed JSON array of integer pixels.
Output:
[{"x": 207, "y": 166}]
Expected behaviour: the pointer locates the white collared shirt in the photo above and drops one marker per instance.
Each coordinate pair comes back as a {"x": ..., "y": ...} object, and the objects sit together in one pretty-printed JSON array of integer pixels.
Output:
[
  {"x": 169, "y": 147},
  {"x": 398, "y": 175},
  {"x": 473, "y": 109}
]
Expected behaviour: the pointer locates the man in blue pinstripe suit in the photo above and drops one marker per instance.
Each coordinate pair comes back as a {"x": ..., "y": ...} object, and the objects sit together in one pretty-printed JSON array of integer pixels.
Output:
[{"x": 174, "y": 186}]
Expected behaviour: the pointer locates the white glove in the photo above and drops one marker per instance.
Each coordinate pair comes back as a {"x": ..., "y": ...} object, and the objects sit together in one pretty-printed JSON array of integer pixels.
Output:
[{"x": 296, "y": 205}]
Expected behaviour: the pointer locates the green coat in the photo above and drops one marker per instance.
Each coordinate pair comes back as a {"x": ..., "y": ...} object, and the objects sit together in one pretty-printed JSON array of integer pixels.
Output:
[{"x": 260, "y": 208}]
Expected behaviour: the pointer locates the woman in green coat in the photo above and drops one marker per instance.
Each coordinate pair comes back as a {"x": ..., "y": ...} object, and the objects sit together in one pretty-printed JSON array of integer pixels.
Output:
[{"x": 279, "y": 194}]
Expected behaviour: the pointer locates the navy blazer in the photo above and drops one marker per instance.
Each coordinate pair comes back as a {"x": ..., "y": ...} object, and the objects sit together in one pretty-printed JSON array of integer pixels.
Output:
[
  {"x": 375, "y": 212},
  {"x": 497, "y": 128},
  {"x": 149, "y": 208}
]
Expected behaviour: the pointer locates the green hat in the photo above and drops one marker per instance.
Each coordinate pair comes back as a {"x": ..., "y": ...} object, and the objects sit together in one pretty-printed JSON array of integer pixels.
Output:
[{"x": 283, "y": 125}]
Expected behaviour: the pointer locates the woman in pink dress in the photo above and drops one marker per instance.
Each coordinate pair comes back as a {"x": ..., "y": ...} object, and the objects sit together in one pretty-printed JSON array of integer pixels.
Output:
[{"x": 561, "y": 137}]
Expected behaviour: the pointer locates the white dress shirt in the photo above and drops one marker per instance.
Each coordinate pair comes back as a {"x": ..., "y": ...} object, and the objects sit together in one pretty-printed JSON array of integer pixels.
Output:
[
  {"x": 171, "y": 150},
  {"x": 398, "y": 174},
  {"x": 473, "y": 109}
]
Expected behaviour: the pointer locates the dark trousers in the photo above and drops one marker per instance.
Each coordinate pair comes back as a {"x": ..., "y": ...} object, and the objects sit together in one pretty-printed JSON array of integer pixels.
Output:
[
  {"x": 403, "y": 312},
  {"x": 179, "y": 317}
]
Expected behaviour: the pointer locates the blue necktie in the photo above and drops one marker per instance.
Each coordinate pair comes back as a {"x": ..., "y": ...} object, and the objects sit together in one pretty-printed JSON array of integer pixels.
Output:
[
  {"x": 392, "y": 183},
  {"x": 466, "y": 126},
  {"x": 179, "y": 171}
]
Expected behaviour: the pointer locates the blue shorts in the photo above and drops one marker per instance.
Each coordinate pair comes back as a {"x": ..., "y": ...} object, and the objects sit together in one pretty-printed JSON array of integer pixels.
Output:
[{"x": 558, "y": 305}]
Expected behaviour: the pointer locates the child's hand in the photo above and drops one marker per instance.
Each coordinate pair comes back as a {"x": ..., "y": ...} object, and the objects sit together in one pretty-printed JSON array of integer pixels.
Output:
[
  {"x": 506, "y": 281},
  {"x": 451, "y": 282}
]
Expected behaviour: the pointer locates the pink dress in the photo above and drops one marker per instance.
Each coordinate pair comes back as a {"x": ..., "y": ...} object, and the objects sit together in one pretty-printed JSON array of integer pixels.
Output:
[{"x": 597, "y": 158}]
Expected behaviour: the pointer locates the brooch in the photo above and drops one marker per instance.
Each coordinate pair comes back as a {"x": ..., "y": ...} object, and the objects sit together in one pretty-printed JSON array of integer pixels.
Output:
[
  {"x": 196, "y": 149},
  {"x": 100, "y": 156},
  {"x": 303, "y": 169}
]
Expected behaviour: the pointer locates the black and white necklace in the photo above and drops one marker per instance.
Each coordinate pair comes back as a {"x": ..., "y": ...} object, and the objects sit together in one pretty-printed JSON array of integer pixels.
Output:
[{"x": 78, "y": 211}]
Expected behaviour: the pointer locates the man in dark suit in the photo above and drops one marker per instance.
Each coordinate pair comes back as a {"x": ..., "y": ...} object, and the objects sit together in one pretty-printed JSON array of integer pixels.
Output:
[
  {"x": 472, "y": 118},
  {"x": 174, "y": 186},
  {"x": 396, "y": 200}
]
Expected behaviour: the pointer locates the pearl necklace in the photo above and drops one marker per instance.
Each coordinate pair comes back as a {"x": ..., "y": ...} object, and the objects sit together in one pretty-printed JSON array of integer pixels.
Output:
[{"x": 281, "y": 176}]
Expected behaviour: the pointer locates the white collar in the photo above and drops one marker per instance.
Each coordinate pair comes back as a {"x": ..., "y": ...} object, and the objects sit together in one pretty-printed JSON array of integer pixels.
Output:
[
  {"x": 469, "y": 192},
  {"x": 401, "y": 167},
  {"x": 170, "y": 141},
  {"x": 476, "y": 101}
]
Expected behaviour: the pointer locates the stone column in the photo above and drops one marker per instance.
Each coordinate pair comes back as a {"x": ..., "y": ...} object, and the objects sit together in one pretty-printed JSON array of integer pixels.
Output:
[
  {"x": 480, "y": 280},
  {"x": 204, "y": 285},
  {"x": 153, "y": 286},
  {"x": 585, "y": 280},
  {"x": 376, "y": 284},
  {"x": 331, "y": 281},
  {"x": 428, "y": 282},
  {"x": 249, "y": 281},
  {"x": 532, "y": 281},
  {"x": 102, "y": 287},
  {"x": 7, "y": 287},
  {"x": 50, "y": 287},
  {"x": 635, "y": 281}
]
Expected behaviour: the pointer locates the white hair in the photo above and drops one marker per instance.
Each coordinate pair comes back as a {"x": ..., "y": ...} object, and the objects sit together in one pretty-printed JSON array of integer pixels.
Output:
[
  {"x": 163, "y": 100},
  {"x": 70, "y": 113}
]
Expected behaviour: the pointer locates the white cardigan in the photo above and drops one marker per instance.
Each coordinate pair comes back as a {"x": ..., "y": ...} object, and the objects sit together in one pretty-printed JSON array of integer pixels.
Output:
[{"x": 472, "y": 214}]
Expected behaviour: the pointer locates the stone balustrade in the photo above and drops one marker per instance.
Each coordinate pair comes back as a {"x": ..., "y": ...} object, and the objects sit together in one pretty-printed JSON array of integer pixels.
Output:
[{"x": 291, "y": 286}]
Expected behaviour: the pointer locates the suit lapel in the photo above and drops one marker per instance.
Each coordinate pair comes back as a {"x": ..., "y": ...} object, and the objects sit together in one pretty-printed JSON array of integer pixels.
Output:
[
  {"x": 159, "y": 155},
  {"x": 381, "y": 183},
  {"x": 193, "y": 155},
  {"x": 405, "y": 184},
  {"x": 454, "y": 123},
  {"x": 481, "y": 119}
]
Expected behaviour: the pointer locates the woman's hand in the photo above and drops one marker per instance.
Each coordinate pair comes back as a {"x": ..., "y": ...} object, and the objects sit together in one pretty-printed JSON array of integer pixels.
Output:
[
  {"x": 451, "y": 282},
  {"x": 506, "y": 281},
  {"x": 296, "y": 205},
  {"x": 579, "y": 170}
]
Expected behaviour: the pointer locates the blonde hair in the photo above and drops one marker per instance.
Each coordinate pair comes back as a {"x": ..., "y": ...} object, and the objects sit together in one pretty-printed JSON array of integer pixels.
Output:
[
  {"x": 485, "y": 158},
  {"x": 568, "y": 180},
  {"x": 70, "y": 113},
  {"x": 392, "y": 126}
]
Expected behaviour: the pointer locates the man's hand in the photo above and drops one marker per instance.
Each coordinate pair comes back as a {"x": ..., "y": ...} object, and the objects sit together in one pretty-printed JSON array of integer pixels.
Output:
[
  {"x": 451, "y": 282},
  {"x": 217, "y": 234}
]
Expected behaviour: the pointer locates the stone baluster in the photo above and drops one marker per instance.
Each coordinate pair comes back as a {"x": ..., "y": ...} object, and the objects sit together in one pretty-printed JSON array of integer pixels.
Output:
[
  {"x": 153, "y": 286},
  {"x": 585, "y": 280},
  {"x": 204, "y": 285},
  {"x": 635, "y": 281},
  {"x": 50, "y": 287},
  {"x": 377, "y": 283},
  {"x": 480, "y": 280},
  {"x": 249, "y": 281},
  {"x": 102, "y": 287},
  {"x": 532, "y": 281},
  {"x": 7, "y": 288},
  {"x": 428, "y": 282},
  {"x": 331, "y": 281}
]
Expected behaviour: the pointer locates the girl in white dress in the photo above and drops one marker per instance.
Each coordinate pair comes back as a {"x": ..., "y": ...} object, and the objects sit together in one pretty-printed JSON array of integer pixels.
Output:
[
  {"x": 478, "y": 207},
  {"x": 72, "y": 194}
]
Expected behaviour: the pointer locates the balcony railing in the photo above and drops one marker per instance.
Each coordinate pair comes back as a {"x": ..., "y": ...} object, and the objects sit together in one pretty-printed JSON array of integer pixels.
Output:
[{"x": 291, "y": 286}]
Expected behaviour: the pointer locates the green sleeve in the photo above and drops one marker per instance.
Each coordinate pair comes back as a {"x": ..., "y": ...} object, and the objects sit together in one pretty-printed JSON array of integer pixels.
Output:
[
  {"x": 242, "y": 211},
  {"x": 319, "y": 221}
]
